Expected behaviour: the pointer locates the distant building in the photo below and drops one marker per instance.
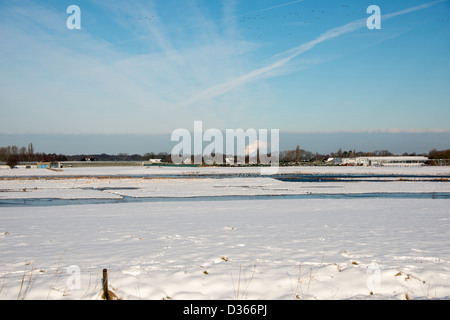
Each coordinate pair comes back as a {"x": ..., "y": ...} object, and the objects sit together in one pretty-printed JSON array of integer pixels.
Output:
[
  {"x": 154, "y": 161},
  {"x": 229, "y": 160},
  {"x": 381, "y": 161},
  {"x": 43, "y": 165}
]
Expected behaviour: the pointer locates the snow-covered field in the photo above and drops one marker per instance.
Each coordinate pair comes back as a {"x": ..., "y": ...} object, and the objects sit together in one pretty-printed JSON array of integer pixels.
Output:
[
  {"x": 159, "y": 170},
  {"x": 223, "y": 249}
]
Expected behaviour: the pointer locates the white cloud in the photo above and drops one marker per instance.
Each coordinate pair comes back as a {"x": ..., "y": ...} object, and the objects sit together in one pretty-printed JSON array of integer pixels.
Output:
[
  {"x": 252, "y": 148},
  {"x": 378, "y": 130}
]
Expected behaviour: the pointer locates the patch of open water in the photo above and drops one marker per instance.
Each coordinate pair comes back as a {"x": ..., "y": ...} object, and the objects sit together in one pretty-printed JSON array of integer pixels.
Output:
[{"x": 127, "y": 199}]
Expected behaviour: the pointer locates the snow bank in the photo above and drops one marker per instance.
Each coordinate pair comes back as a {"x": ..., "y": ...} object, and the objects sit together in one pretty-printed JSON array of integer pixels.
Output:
[{"x": 166, "y": 170}]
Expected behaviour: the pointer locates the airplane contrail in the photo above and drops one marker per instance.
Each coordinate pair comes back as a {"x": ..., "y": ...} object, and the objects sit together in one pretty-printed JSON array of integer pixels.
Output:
[
  {"x": 224, "y": 87},
  {"x": 278, "y": 6}
]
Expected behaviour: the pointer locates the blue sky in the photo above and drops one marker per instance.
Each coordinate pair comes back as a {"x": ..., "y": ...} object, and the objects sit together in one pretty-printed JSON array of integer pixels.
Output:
[{"x": 149, "y": 67}]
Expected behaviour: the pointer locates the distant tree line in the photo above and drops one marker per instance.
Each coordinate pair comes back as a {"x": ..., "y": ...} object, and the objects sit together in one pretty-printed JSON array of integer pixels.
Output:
[
  {"x": 439, "y": 157},
  {"x": 443, "y": 154},
  {"x": 164, "y": 156},
  {"x": 300, "y": 155},
  {"x": 12, "y": 155}
]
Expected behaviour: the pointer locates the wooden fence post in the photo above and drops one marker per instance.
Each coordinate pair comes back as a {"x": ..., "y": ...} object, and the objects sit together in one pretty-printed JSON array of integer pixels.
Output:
[{"x": 105, "y": 284}]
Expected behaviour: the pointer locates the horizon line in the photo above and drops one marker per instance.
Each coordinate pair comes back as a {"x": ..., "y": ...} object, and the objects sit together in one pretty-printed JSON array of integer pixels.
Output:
[{"x": 356, "y": 131}]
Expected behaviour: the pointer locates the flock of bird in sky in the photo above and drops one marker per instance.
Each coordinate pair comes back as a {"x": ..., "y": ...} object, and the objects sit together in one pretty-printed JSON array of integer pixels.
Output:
[{"x": 290, "y": 19}]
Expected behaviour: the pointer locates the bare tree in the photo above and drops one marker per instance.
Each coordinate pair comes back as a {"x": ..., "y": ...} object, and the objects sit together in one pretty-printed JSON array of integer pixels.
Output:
[
  {"x": 30, "y": 151},
  {"x": 14, "y": 150},
  {"x": 12, "y": 160}
]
